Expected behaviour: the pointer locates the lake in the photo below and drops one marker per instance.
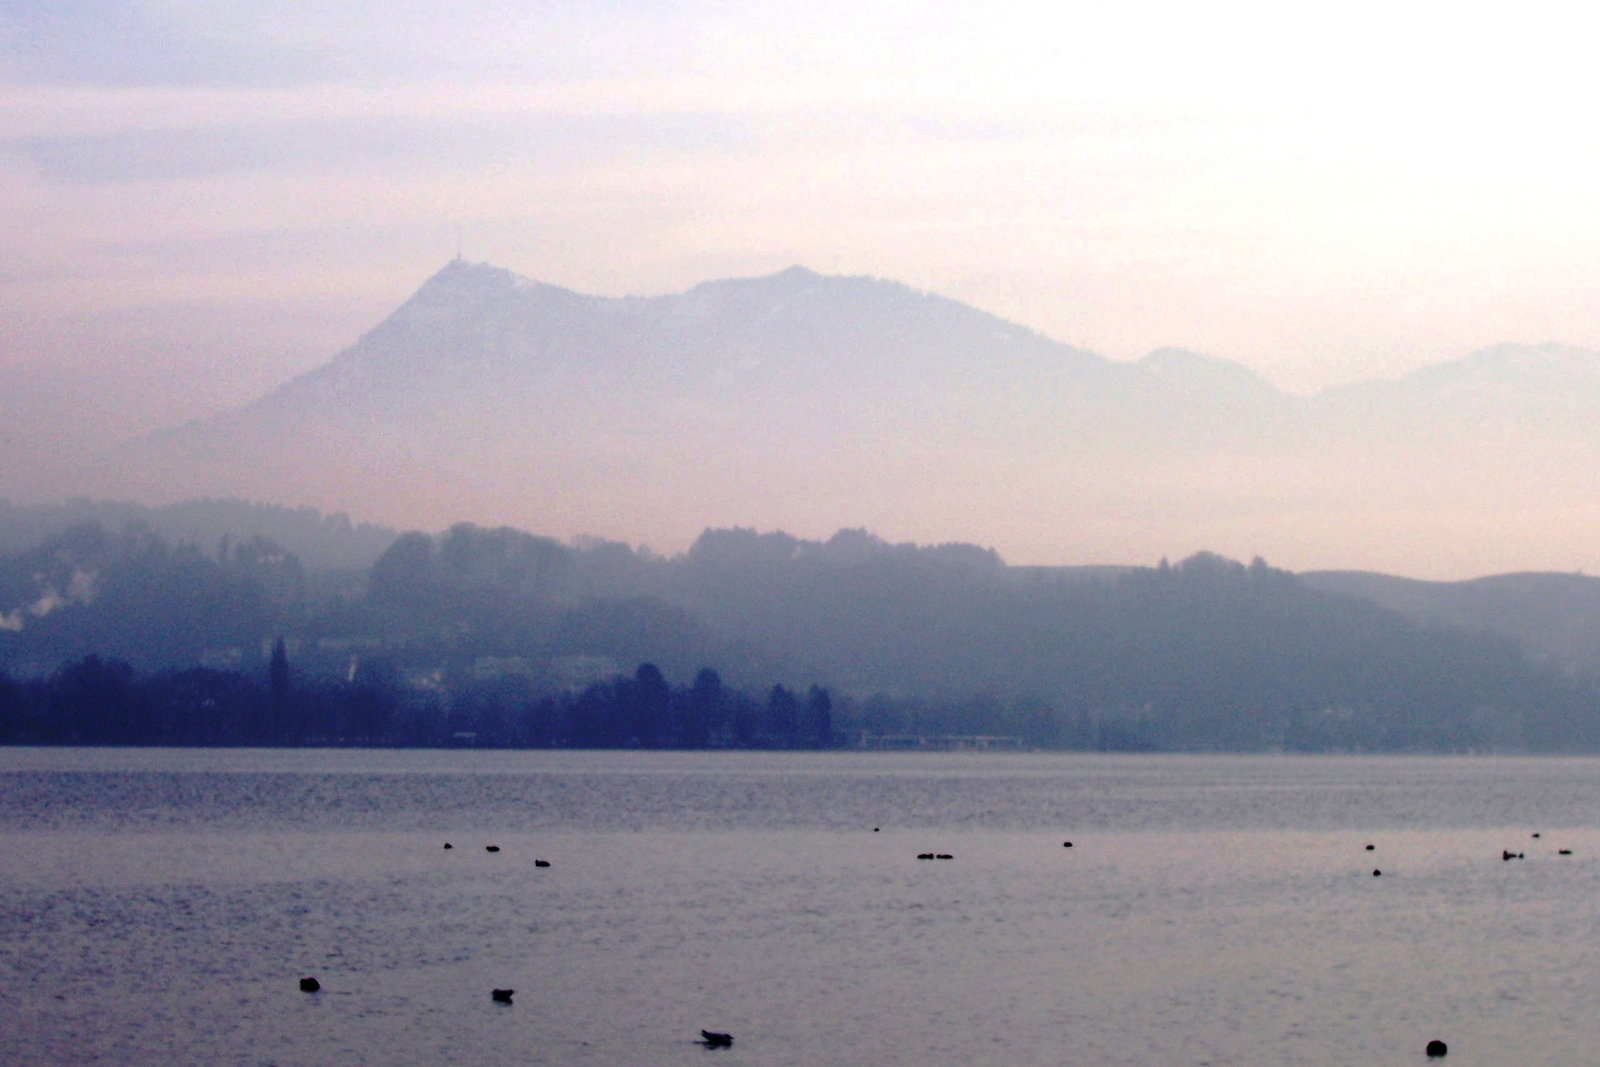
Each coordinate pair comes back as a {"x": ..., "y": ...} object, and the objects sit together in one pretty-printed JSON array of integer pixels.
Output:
[{"x": 160, "y": 907}]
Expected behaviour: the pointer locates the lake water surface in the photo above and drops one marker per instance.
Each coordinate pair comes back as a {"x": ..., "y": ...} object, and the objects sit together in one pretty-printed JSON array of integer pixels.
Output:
[{"x": 159, "y": 907}]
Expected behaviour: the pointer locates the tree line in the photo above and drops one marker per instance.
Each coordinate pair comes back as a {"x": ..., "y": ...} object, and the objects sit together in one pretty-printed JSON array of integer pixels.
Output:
[
  {"x": 95, "y": 701},
  {"x": 494, "y": 636}
]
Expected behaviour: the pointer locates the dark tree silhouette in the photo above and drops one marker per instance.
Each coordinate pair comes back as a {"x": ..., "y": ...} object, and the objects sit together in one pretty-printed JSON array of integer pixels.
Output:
[
  {"x": 819, "y": 706},
  {"x": 278, "y": 690},
  {"x": 645, "y": 703},
  {"x": 783, "y": 717},
  {"x": 707, "y": 711}
]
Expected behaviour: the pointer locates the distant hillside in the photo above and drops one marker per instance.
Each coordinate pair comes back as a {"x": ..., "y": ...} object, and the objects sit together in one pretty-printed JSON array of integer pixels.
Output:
[
  {"x": 1555, "y": 616},
  {"x": 476, "y": 626},
  {"x": 322, "y": 542}
]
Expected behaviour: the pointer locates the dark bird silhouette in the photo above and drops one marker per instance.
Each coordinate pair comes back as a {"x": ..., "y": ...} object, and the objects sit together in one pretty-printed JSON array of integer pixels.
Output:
[
  {"x": 448, "y": 845},
  {"x": 309, "y": 985},
  {"x": 541, "y": 863},
  {"x": 1371, "y": 847},
  {"x": 1376, "y": 873},
  {"x": 1436, "y": 1048},
  {"x": 502, "y": 996},
  {"x": 713, "y": 1039},
  {"x": 491, "y": 848}
]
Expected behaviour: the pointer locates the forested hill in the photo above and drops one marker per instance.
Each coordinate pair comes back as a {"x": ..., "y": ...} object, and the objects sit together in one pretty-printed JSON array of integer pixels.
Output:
[
  {"x": 321, "y": 541},
  {"x": 1555, "y": 616},
  {"x": 927, "y": 640}
]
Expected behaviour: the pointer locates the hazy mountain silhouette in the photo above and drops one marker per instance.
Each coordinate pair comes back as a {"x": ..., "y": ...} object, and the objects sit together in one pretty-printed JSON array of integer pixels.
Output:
[
  {"x": 814, "y": 402},
  {"x": 1556, "y": 617},
  {"x": 484, "y": 387}
]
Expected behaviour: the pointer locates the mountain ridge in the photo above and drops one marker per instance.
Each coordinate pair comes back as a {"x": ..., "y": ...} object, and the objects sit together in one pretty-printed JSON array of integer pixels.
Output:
[
  {"x": 1184, "y": 369},
  {"x": 810, "y": 401}
]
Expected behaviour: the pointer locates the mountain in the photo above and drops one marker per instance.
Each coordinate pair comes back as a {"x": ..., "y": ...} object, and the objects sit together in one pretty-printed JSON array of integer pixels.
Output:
[
  {"x": 1207, "y": 377},
  {"x": 1508, "y": 395},
  {"x": 489, "y": 395},
  {"x": 814, "y": 402}
]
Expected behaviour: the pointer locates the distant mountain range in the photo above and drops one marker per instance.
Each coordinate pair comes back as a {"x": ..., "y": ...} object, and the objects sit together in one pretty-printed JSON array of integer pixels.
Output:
[{"x": 811, "y": 403}]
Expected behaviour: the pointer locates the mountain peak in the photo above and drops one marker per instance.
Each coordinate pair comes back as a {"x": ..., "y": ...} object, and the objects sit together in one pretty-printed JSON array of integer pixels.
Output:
[
  {"x": 1185, "y": 369},
  {"x": 465, "y": 272},
  {"x": 463, "y": 290},
  {"x": 460, "y": 284},
  {"x": 1554, "y": 364},
  {"x": 790, "y": 279}
]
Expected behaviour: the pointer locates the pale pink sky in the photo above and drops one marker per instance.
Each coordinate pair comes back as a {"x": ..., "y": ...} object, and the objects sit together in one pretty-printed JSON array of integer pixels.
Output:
[{"x": 1328, "y": 194}]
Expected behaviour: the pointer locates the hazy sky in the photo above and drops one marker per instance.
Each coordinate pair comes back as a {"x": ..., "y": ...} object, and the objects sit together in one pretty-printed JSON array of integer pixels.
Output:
[{"x": 225, "y": 193}]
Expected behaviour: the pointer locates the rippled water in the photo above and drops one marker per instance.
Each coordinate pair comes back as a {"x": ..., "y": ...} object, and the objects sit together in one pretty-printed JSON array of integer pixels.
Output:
[{"x": 158, "y": 907}]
